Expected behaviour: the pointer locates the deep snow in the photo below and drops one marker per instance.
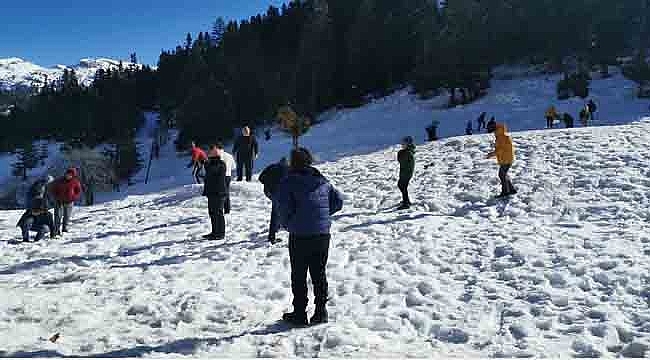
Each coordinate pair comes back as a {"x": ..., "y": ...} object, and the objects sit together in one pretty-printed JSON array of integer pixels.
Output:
[{"x": 558, "y": 270}]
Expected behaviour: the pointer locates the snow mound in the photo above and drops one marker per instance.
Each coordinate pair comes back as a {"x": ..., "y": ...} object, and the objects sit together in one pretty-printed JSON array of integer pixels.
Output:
[{"x": 555, "y": 271}]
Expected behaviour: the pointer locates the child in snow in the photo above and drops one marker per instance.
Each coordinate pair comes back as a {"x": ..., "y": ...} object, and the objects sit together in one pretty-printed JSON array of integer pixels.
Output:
[
  {"x": 505, "y": 153},
  {"x": 406, "y": 159},
  {"x": 306, "y": 201},
  {"x": 37, "y": 219},
  {"x": 198, "y": 160}
]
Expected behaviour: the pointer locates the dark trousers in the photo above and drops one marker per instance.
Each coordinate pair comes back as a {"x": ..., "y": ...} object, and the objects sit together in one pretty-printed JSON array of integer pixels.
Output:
[
  {"x": 549, "y": 122},
  {"x": 215, "y": 209},
  {"x": 274, "y": 224},
  {"x": 506, "y": 184},
  {"x": 196, "y": 172},
  {"x": 308, "y": 253},
  {"x": 62, "y": 214},
  {"x": 226, "y": 205},
  {"x": 245, "y": 168},
  {"x": 403, "y": 185},
  {"x": 29, "y": 225}
]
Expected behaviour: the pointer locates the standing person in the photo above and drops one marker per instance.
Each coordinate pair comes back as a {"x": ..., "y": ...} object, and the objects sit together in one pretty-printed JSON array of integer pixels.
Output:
[
  {"x": 505, "y": 153},
  {"x": 246, "y": 151},
  {"x": 271, "y": 178},
  {"x": 584, "y": 117},
  {"x": 432, "y": 130},
  {"x": 37, "y": 218},
  {"x": 468, "y": 128},
  {"x": 568, "y": 120},
  {"x": 551, "y": 115},
  {"x": 406, "y": 159},
  {"x": 591, "y": 105},
  {"x": 198, "y": 161},
  {"x": 491, "y": 125},
  {"x": 306, "y": 201},
  {"x": 216, "y": 190},
  {"x": 230, "y": 166},
  {"x": 481, "y": 121},
  {"x": 65, "y": 191}
]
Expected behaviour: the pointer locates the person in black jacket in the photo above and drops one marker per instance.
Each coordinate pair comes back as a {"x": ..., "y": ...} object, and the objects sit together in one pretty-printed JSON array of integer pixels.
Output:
[
  {"x": 271, "y": 177},
  {"x": 245, "y": 151},
  {"x": 38, "y": 219},
  {"x": 568, "y": 120},
  {"x": 481, "y": 121},
  {"x": 38, "y": 190},
  {"x": 491, "y": 125},
  {"x": 216, "y": 190},
  {"x": 406, "y": 159}
]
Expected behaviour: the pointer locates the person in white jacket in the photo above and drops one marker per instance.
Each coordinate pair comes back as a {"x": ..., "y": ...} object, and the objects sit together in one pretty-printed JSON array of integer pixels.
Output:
[{"x": 230, "y": 166}]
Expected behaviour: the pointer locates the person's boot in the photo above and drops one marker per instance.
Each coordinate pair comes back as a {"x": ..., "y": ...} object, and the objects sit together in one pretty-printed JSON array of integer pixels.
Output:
[
  {"x": 320, "y": 316},
  {"x": 404, "y": 206},
  {"x": 296, "y": 318}
]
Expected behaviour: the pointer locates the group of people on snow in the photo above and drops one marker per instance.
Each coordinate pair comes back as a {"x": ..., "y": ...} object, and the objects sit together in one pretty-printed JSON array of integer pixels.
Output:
[
  {"x": 587, "y": 113},
  {"x": 61, "y": 194}
]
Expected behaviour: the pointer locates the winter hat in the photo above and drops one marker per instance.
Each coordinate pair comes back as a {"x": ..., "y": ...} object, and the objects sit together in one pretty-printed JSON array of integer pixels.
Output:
[
  {"x": 301, "y": 158},
  {"x": 72, "y": 172},
  {"x": 408, "y": 140}
]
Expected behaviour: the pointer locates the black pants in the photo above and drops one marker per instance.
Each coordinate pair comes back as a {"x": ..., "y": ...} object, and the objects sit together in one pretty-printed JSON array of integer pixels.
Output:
[
  {"x": 274, "y": 224},
  {"x": 226, "y": 205},
  {"x": 245, "y": 167},
  {"x": 196, "y": 172},
  {"x": 506, "y": 184},
  {"x": 308, "y": 253},
  {"x": 215, "y": 209},
  {"x": 403, "y": 185},
  {"x": 549, "y": 122}
]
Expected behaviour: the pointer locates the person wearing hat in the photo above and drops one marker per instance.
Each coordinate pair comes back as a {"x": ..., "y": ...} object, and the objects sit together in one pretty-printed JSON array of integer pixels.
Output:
[
  {"x": 504, "y": 151},
  {"x": 406, "y": 159},
  {"x": 37, "y": 219},
  {"x": 306, "y": 202},
  {"x": 65, "y": 191},
  {"x": 270, "y": 177}
]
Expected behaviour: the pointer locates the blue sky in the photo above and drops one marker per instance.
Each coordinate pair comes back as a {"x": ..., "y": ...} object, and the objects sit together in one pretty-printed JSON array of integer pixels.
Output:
[{"x": 49, "y": 32}]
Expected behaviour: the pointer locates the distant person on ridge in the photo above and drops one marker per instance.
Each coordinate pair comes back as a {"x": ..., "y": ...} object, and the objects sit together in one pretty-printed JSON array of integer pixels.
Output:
[
  {"x": 306, "y": 202},
  {"x": 198, "y": 161},
  {"x": 65, "y": 191},
  {"x": 505, "y": 153},
  {"x": 468, "y": 128},
  {"x": 406, "y": 159},
  {"x": 271, "y": 178},
  {"x": 230, "y": 166},
  {"x": 551, "y": 115},
  {"x": 246, "y": 151},
  {"x": 584, "y": 116},
  {"x": 216, "y": 190},
  {"x": 432, "y": 130},
  {"x": 491, "y": 125},
  {"x": 37, "y": 218},
  {"x": 481, "y": 121},
  {"x": 568, "y": 120},
  {"x": 591, "y": 105}
]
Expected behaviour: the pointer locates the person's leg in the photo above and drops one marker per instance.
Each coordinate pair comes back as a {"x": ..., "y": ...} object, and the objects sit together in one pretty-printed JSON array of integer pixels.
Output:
[
  {"x": 317, "y": 271},
  {"x": 511, "y": 189},
  {"x": 41, "y": 233},
  {"x": 27, "y": 225},
  {"x": 240, "y": 171},
  {"x": 249, "y": 170},
  {"x": 503, "y": 178},
  {"x": 58, "y": 216},
  {"x": 226, "y": 205},
  {"x": 274, "y": 224},
  {"x": 212, "y": 211},
  {"x": 402, "y": 184},
  {"x": 67, "y": 214},
  {"x": 298, "y": 275},
  {"x": 220, "y": 218}
]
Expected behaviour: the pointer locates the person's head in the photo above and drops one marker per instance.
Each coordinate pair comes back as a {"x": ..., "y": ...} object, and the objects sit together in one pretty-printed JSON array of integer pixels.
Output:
[
  {"x": 220, "y": 146},
  {"x": 246, "y": 131},
  {"x": 407, "y": 141},
  {"x": 214, "y": 151},
  {"x": 70, "y": 173},
  {"x": 301, "y": 158}
]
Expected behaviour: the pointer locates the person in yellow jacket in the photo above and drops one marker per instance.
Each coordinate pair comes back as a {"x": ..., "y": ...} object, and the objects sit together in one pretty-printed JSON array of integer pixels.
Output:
[
  {"x": 504, "y": 151},
  {"x": 551, "y": 115}
]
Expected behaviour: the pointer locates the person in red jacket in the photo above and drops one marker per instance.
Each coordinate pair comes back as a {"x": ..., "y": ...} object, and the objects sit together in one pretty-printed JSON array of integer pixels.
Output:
[
  {"x": 199, "y": 157},
  {"x": 65, "y": 191}
]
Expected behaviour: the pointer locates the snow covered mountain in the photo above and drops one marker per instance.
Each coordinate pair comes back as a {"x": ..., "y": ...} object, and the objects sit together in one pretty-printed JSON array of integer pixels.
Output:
[
  {"x": 557, "y": 271},
  {"x": 18, "y": 73}
]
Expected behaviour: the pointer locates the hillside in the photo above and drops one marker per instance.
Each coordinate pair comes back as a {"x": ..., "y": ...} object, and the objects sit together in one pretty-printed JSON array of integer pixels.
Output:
[
  {"x": 17, "y": 73},
  {"x": 553, "y": 272}
]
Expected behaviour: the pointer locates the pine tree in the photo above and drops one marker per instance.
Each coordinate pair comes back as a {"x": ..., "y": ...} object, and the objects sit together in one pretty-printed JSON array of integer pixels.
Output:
[
  {"x": 134, "y": 58},
  {"x": 218, "y": 30}
]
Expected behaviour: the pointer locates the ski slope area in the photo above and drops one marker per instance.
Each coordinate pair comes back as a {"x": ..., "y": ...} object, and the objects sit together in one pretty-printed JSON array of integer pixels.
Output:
[{"x": 558, "y": 270}]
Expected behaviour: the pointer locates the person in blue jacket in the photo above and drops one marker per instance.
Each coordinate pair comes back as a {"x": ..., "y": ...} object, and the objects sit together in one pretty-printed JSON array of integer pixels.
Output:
[{"x": 306, "y": 201}]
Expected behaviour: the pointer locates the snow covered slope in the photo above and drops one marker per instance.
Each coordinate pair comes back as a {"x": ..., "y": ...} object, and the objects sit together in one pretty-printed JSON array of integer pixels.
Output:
[
  {"x": 560, "y": 270},
  {"x": 18, "y": 73}
]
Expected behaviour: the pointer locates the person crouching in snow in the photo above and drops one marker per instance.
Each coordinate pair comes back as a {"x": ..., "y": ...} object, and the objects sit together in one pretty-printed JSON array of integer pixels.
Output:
[
  {"x": 306, "y": 202},
  {"x": 505, "y": 153},
  {"x": 37, "y": 219},
  {"x": 406, "y": 159}
]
